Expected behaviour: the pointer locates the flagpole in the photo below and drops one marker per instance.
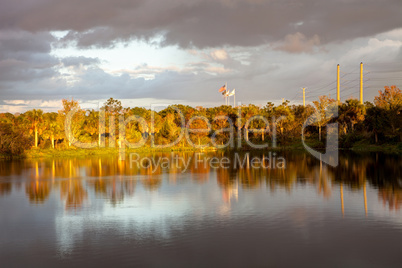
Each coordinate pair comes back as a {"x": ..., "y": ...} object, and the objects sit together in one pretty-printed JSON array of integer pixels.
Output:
[
  {"x": 226, "y": 96},
  {"x": 234, "y": 100}
]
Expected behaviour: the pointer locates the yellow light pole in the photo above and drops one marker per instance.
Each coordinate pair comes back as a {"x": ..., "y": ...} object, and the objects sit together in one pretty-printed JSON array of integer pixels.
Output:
[
  {"x": 361, "y": 82},
  {"x": 338, "y": 87}
]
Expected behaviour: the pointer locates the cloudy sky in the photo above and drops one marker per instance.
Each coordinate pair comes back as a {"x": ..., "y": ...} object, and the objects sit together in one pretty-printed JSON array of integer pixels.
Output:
[{"x": 182, "y": 51}]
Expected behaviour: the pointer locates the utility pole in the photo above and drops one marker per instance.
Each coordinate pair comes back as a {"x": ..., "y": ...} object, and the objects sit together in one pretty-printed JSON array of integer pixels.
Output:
[
  {"x": 361, "y": 82},
  {"x": 338, "y": 87},
  {"x": 304, "y": 97}
]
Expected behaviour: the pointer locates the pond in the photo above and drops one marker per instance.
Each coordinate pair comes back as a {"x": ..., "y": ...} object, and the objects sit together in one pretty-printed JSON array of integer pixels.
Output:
[{"x": 202, "y": 209}]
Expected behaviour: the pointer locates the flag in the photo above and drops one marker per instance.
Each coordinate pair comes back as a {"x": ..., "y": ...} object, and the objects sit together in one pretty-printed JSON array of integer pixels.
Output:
[
  {"x": 224, "y": 92},
  {"x": 223, "y": 88},
  {"x": 227, "y": 93},
  {"x": 232, "y": 93}
]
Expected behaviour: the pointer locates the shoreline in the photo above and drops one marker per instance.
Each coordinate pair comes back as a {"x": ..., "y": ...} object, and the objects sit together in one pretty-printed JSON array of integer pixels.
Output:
[{"x": 79, "y": 152}]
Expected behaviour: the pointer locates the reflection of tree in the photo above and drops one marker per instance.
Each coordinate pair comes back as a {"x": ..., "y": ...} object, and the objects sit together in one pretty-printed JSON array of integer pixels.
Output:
[
  {"x": 113, "y": 189},
  {"x": 324, "y": 184},
  {"x": 391, "y": 197},
  {"x": 152, "y": 183},
  {"x": 324, "y": 187},
  {"x": 200, "y": 167},
  {"x": 384, "y": 173},
  {"x": 114, "y": 180},
  {"x": 73, "y": 192},
  {"x": 38, "y": 191},
  {"x": 14, "y": 167},
  {"x": 129, "y": 186},
  {"x": 5, "y": 188},
  {"x": 229, "y": 185},
  {"x": 223, "y": 178},
  {"x": 116, "y": 193},
  {"x": 249, "y": 178},
  {"x": 99, "y": 186}
]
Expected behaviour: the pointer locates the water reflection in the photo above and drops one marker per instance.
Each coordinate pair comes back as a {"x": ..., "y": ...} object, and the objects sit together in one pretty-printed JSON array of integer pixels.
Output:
[
  {"x": 115, "y": 180},
  {"x": 105, "y": 205}
]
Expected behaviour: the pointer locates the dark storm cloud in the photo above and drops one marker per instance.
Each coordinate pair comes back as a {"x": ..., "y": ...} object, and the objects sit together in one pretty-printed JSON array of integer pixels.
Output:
[
  {"x": 22, "y": 45},
  {"x": 25, "y": 56},
  {"x": 298, "y": 43},
  {"x": 201, "y": 24},
  {"x": 312, "y": 36},
  {"x": 94, "y": 83}
]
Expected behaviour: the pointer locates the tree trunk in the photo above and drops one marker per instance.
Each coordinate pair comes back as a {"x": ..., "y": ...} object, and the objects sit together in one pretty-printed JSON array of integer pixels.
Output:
[
  {"x": 199, "y": 141},
  {"x": 36, "y": 137},
  {"x": 263, "y": 137},
  {"x": 319, "y": 132},
  {"x": 246, "y": 134},
  {"x": 52, "y": 138},
  {"x": 376, "y": 137}
]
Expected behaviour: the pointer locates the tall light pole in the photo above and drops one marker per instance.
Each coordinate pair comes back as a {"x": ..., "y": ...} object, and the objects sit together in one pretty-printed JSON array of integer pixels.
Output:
[
  {"x": 338, "y": 86},
  {"x": 361, "y": 82}
]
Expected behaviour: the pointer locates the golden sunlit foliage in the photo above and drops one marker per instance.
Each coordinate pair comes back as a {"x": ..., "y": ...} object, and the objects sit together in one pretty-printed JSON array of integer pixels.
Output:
[{"x": 370, "y": 123}]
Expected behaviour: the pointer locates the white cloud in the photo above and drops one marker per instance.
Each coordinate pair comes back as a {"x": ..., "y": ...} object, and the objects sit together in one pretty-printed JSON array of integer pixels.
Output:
[{"x": 219, "y": 54}]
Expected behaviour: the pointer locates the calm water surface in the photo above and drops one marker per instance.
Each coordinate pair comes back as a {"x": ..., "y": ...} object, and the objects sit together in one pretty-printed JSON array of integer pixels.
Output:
[{"x": 100, "y": 212}]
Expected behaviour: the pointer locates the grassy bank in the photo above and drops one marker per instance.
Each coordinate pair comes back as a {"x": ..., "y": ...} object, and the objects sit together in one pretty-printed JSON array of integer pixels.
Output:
[
  {"x": 358, "y": 146},
  {"x": 78, "y": 152},
  {"x": 367, "y": 147}
]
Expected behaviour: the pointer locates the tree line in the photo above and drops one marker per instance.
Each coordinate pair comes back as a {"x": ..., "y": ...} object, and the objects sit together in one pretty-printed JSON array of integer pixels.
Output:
[{"x": 376, "y": 123}]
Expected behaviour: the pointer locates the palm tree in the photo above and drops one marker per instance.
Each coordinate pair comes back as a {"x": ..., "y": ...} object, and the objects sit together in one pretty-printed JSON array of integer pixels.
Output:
[
  {"x": 91, "y": 124},
  {"x": 75, "y": 122},
  {"x": 322, "y": 113},
  {"x": 51, "y": 127},
  {"x": 247, "y": 113},
  {"x": 35, "y": 118}
]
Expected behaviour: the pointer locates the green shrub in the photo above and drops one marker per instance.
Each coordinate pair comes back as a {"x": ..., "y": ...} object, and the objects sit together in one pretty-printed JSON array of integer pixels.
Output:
[
  {"x": 399, "y": 147},
  {"x": 12, "y": 143},
  {"x": 349, "y": 140}
]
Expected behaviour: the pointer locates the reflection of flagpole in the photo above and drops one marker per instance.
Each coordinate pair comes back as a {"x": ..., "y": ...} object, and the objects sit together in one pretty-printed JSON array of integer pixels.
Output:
[
  {"x": 342, "y": 206},
  {"x": 365, "y": 197},
  {"x": 53, "y": 171}
]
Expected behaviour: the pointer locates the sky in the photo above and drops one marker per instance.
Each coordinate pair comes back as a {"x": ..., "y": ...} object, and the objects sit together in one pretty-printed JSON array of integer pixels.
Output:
[{"x": 147, "y": 52}]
